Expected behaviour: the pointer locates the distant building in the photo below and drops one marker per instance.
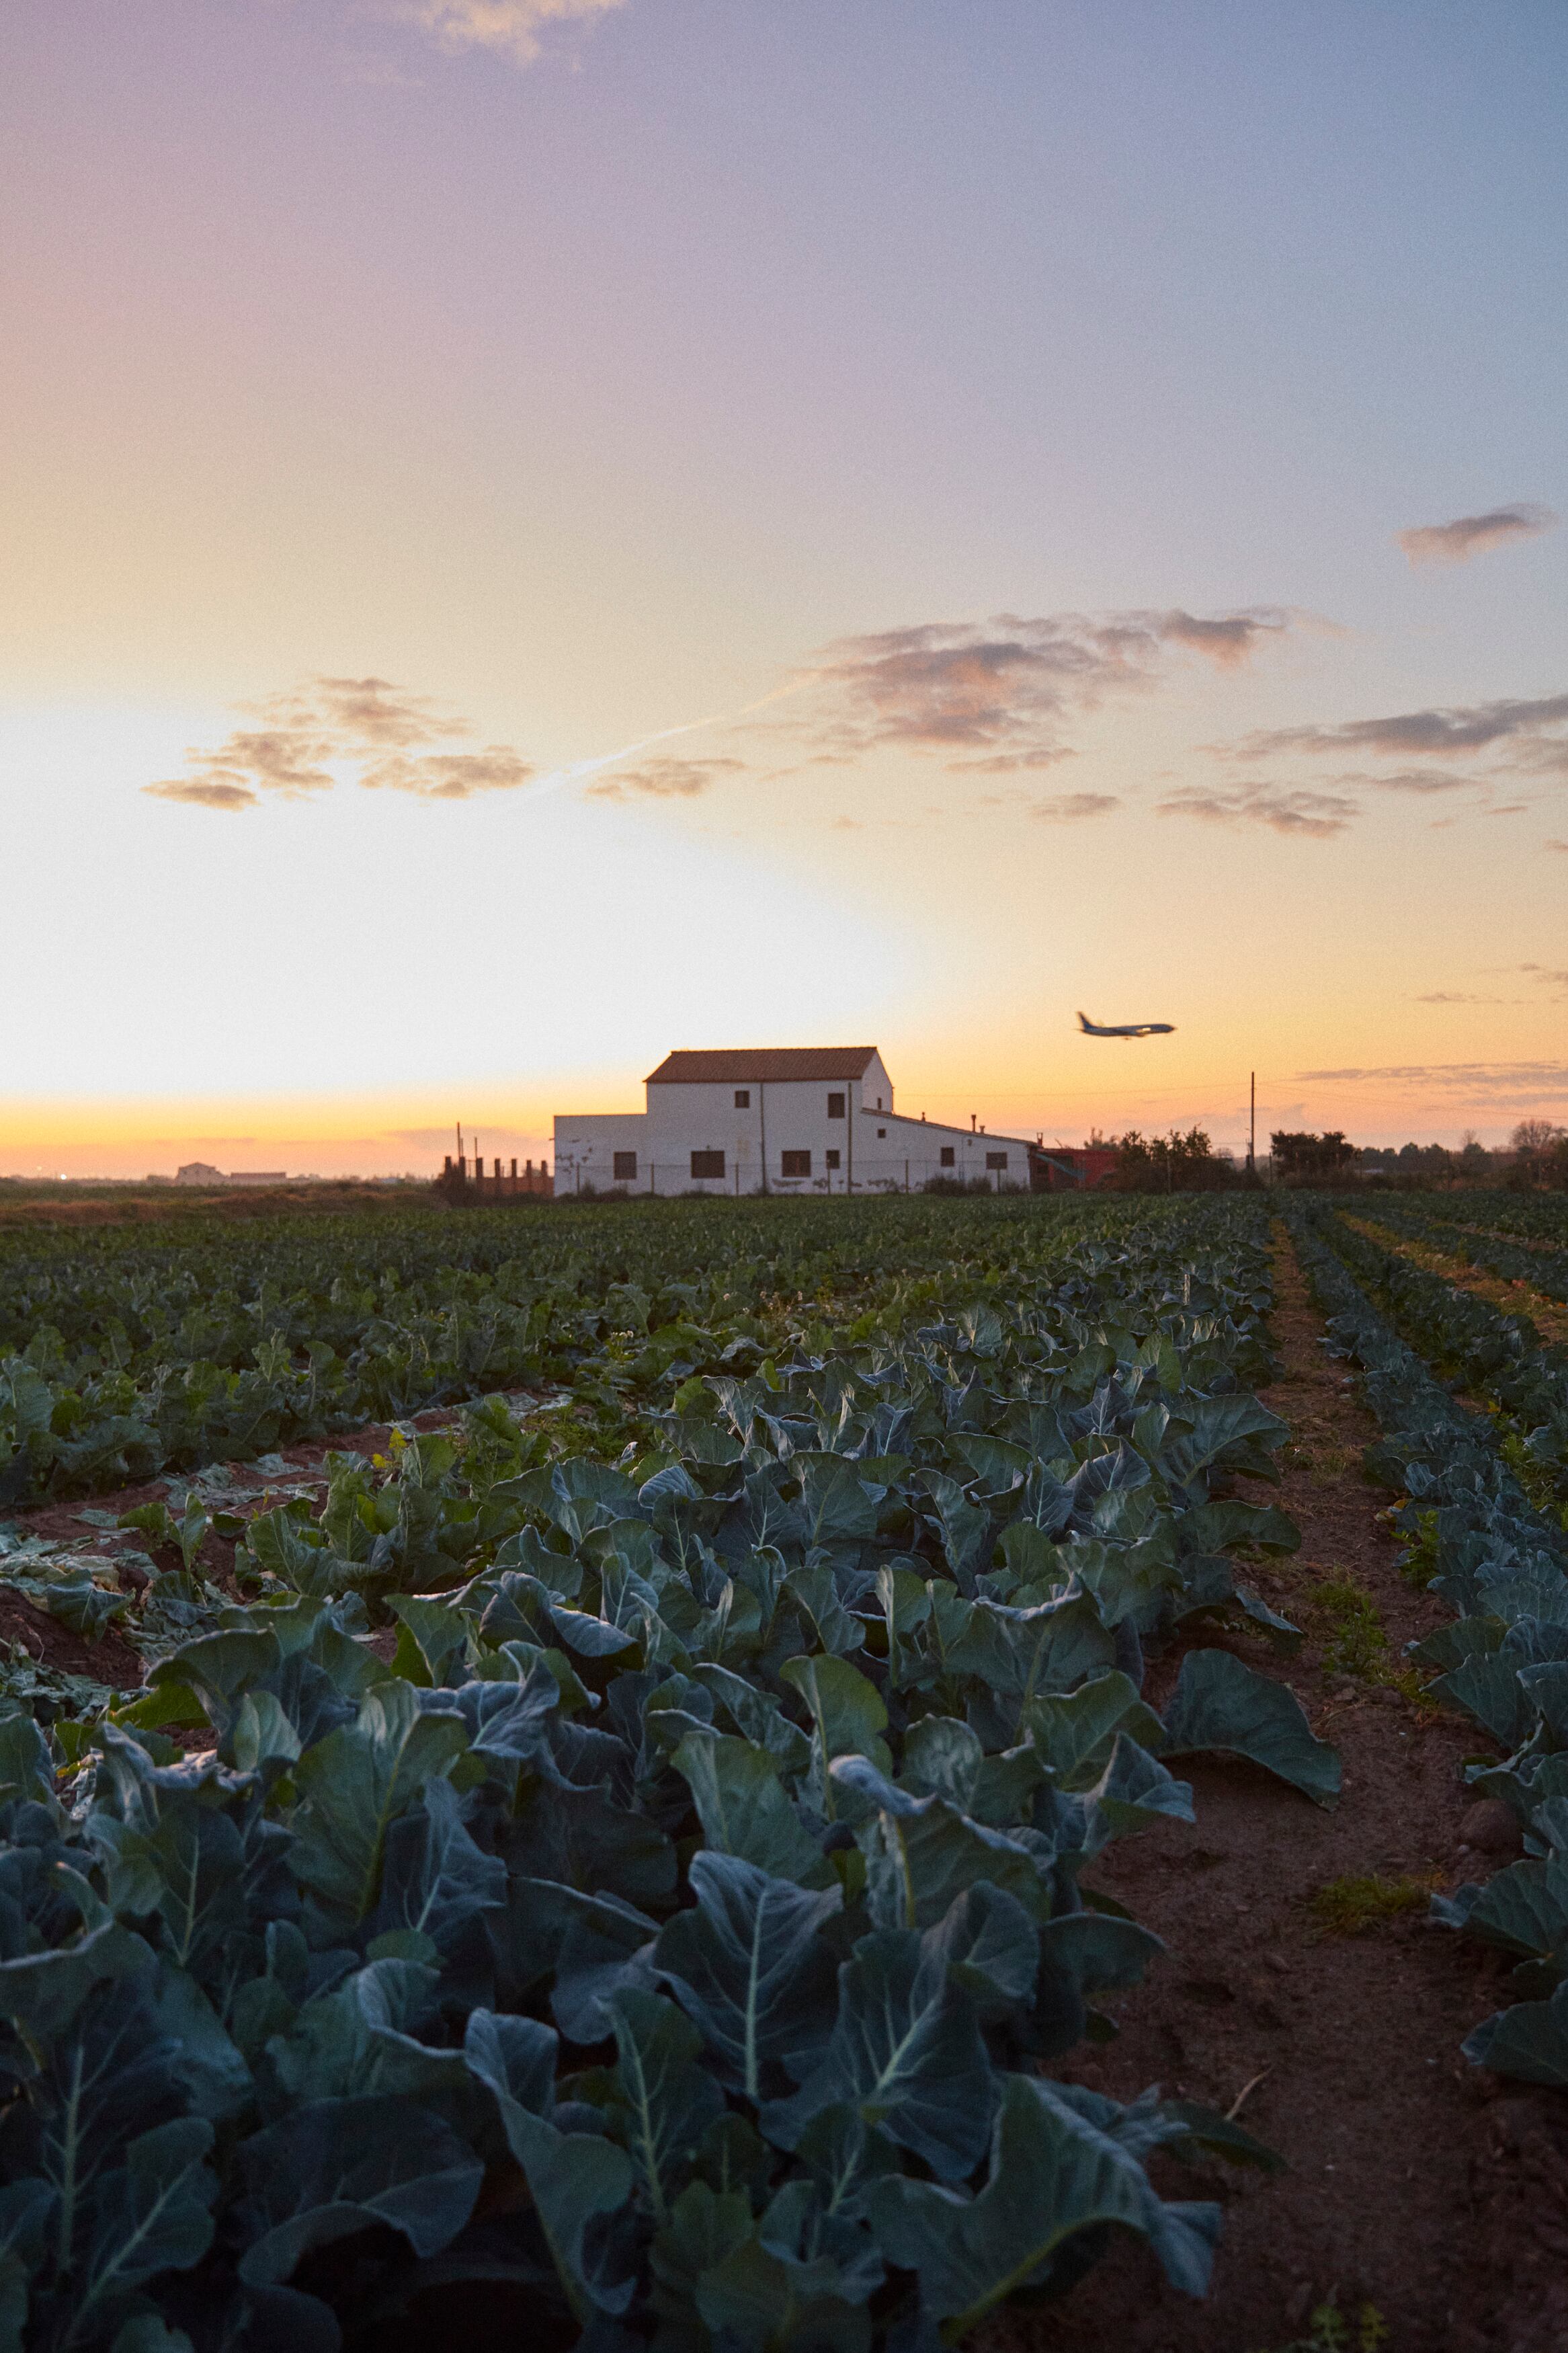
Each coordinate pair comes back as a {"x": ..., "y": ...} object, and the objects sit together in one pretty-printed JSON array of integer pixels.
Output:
[
  {"x": 779, "y": 1119},
  {"x": 201, "y": 1172}
]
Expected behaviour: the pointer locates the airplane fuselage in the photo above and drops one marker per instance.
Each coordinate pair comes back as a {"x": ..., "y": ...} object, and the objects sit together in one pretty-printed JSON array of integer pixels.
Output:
[{"x": 1125, "y": 1029}]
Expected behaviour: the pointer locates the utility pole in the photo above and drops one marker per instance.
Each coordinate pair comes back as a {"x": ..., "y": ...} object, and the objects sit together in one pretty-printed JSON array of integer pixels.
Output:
[{"x": 1252, "y": 1127}]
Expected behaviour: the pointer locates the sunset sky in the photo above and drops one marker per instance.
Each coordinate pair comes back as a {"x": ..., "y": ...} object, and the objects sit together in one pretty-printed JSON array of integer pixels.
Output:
[{"x": 537, "y": 531}]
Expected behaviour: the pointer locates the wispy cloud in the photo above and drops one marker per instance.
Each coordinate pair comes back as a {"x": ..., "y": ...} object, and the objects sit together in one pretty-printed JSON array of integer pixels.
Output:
[
  {"x": 1461, "y": 996},
  {"x": 498, "y": 1138},
  {"x": 1410, "y": 780},
  {"x": 1545, "y": 977},
  {"x": 288, "y": 761},
  {"x": 1468, "y": 535},
  {"x": 1071, "y": 808},
  {"x": 1424, "y": 734},
  {"x": 450, "y": 776},
  {"x": 663, "y": 779},
  {"x": 1316, "y": 815},
  {"x": 510, "y": 27},
  {"x": 369, "y": 710},
  {"x": 1229, "y": 641},
  {"x": 1517, "y": 1086},
  {"x": 1008, "y": 764},
  {"x": 333, "y": 730},
  {"x": 213, "y": 791},
  {"x": 995, "y": 695},
  {"x": 1558, "y": 845}
]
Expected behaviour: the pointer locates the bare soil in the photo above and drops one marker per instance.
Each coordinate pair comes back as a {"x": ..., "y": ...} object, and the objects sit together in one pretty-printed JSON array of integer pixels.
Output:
[
  {"x": 113, "y": 1660},
  {"x": 1511, "y": 1293},
  {"x": 1417, "y": 2185}
]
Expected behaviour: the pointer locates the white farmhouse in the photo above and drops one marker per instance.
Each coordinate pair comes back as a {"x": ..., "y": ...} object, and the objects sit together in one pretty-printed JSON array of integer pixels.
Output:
[{"x": 776, "y": 1119}]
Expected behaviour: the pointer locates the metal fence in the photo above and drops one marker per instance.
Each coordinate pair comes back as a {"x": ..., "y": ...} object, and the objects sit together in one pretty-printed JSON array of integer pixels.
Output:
[{"x": 742, "y": 1178}]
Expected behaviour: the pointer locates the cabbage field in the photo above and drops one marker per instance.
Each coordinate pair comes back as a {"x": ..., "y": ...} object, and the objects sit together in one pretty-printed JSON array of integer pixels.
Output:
[
  {"x": 1473, "y": 1403},
  {"x": 632, "y": 1849}
]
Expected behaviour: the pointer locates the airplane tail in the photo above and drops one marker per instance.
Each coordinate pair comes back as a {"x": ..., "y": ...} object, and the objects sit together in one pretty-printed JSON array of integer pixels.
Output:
[{"x": 1084, "y": 1022}]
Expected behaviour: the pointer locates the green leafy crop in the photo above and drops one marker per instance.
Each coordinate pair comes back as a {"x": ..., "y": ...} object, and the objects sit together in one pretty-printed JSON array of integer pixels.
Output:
[{"x": 657, "y": 1875}]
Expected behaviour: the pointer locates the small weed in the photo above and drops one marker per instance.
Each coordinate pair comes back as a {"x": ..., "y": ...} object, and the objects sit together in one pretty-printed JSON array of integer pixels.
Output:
[
  {"x": 1418, "y": 1562},
  {"x": 1350, "y": 1907},
  {"x": 1534, "y": 1476},
  {"x": 1359, "y": 1641},
  {"x": 1412, "y": 1689},
  {"x": 1334, "y": 2331}
]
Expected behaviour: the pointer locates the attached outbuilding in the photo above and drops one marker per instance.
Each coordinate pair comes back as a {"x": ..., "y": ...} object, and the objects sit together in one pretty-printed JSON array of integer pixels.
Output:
[{"x": 777, "y": 1119}]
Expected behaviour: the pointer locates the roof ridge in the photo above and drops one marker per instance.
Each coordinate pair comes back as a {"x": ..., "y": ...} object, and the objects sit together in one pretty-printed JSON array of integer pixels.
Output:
[{"x": 720, "y": 1065}]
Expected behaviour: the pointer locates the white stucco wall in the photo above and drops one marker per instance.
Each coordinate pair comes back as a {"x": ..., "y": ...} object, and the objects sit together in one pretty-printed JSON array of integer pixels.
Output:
[
  {"x": 865, "y": 1150},
  {"x": 585, "y": 1146}
]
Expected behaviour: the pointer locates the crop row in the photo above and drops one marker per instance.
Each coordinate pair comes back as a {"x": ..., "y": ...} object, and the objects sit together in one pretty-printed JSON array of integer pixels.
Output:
[
  {"x": 1498, "y": 1357},
  {"x": 1531, "y": 1217},
  {"x": 1447, "y": 1228},
  {"x": 122, "y": 1356},
  {"x": 681, "y": 1923},
  {"x": 1500, "y": 1564}
]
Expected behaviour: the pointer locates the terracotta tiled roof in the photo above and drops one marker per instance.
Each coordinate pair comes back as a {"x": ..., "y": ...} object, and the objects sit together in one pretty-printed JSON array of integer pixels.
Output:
[{"x": 725, "y": 1066}]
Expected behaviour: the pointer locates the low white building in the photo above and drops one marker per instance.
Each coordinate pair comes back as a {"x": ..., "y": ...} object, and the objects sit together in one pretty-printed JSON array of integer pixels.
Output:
[{"x": 776, "y": 1119}]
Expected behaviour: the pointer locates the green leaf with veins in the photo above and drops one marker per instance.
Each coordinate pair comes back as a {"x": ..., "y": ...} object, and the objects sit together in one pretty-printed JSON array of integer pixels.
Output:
[{"x": 356, "y": 1783}]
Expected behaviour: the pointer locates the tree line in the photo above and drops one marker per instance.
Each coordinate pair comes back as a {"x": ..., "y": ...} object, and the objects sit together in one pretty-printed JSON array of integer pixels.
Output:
[{"x": 1535, "y": 1158}]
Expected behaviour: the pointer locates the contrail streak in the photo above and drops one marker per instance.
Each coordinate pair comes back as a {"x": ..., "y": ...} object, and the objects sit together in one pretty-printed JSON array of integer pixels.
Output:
[{"x": 555, "y": 777}]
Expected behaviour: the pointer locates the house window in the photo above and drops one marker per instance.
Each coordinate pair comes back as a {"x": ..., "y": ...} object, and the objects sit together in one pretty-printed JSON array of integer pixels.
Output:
[
  {"x": 743, "y": 1098},
  {"x": 626, "y": 1165},
  {"x": 995, "y": 1160},
  {"x": 834, "y": 1106},
  {"x": 881, "y": 1130},
  {"x": 879, "y": 1102},
  {"x": 947, "y": 1155},
  {"x": 831, "y": 1158},
  {"x": 708, "y": 1163},
  {"x": 796, "y": 1164}
]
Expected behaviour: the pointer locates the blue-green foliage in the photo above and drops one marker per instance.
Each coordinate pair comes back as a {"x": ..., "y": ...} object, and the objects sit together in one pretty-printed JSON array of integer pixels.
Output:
[
  {"x": 1466, "y": 1226},
  {"x": 1500, "y": 1562},
  {"x": 691, "y": 1846}
]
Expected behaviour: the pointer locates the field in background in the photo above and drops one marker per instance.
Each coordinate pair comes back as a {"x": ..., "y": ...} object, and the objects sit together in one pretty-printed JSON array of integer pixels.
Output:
[{"x": 654, "y": 1855}]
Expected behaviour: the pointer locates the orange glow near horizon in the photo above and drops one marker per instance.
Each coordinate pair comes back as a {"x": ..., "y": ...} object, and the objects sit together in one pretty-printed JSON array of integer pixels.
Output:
[{"x": 392, "y": 429}]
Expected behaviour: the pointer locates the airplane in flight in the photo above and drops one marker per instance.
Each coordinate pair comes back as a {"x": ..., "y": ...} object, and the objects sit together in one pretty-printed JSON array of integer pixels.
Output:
[{"x": 1125, "y": 1029}]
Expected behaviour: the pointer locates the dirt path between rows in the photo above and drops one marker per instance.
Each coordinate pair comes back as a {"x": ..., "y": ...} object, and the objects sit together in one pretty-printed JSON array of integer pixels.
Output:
[
  {"x": 113, "y": 1660},
  {"x": 1418, "y": 2186},
  {"x": 1509, "y": 1292}
]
